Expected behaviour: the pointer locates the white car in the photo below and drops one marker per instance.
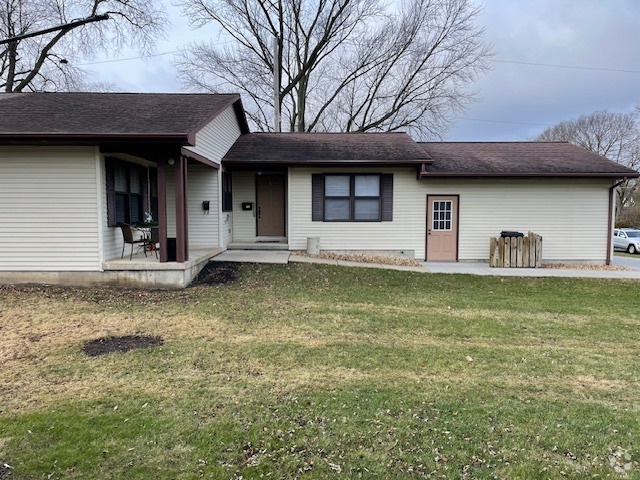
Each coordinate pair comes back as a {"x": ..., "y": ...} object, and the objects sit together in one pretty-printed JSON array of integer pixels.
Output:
[{"x": 626, "y": 239}]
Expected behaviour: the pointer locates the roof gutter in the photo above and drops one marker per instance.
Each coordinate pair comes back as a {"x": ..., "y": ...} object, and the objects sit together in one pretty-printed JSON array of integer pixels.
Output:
[
  {"x": 610, "y": 222},
  {"x": 424, "y": 174}
]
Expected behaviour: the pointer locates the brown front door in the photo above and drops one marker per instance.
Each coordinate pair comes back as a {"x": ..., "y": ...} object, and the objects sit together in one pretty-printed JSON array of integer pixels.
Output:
[
  {"x": 270, "y": 195},
  {"x": 442, "y": 228}
]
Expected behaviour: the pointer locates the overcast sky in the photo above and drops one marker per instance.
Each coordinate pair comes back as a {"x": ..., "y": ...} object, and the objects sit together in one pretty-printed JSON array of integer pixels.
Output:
[{"x": 517, "y": 99}]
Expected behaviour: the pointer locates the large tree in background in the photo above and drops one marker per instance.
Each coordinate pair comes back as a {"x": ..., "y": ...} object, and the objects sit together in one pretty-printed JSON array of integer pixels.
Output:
[
  {"x": 343, "y": 65},
  {"x": 613, "y": 135},
  {"x": 47, "y": 62}
]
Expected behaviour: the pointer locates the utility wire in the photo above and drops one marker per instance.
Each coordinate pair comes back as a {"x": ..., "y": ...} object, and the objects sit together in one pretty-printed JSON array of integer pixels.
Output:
[
  {"x": 551, "y": 65},
  {"x": 575, "y": 67},
  {"x": 503, "y": 121},
  {"x": 126, "y": 59}
]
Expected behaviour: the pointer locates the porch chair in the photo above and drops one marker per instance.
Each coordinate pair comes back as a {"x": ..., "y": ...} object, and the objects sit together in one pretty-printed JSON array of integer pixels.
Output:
[{"x": 142, "y": 240}]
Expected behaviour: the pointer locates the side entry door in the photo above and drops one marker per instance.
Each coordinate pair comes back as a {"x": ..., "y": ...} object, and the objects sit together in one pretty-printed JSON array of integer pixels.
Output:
[{"x": 442, "y": 228}]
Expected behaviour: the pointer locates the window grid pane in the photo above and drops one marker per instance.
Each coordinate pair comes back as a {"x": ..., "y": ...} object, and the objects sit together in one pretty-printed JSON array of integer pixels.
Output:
[
  {"x": 135, "y": 180},
  {"x": 367, "y": 209},
  {"x": 367, "y": 186},
  {"x": 442, "y": 215},
  {"x": 336, "y": 186},
  {"x": 120, "y": 179},
  {"x": 336, "y": 209}
]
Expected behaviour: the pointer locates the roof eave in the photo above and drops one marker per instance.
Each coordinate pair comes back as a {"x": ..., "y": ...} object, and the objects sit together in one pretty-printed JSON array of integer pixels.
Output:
[
  {"x": 199, "y": 158},
  {"x": 327, "y": 163},
  {"x": 91, "y": 138}
]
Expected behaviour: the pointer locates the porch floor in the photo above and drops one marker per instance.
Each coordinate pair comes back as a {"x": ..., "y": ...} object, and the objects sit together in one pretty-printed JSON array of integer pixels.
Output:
[
  {"x": 150, "y": 262},
  {"x": 259, "y": 245}
]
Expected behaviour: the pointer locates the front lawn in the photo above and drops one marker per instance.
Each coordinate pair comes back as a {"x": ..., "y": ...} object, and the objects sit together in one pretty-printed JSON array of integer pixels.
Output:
[
  {"x": 626, "y": 254},
  {"x": 312, "y": 371}
]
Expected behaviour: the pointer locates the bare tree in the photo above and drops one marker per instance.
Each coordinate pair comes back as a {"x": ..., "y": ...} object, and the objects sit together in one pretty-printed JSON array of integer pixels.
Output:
[
  {"x": 343, "y": 65},
  {"x": 613, "y": 135},
  {"x": 47, "y": 62}
]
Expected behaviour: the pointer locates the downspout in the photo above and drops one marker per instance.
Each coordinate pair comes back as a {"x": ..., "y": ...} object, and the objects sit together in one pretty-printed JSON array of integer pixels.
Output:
[{"x": 610, "y": 224}]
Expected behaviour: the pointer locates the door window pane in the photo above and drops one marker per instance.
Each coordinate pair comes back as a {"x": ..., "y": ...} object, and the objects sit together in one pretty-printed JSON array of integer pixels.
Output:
[{"x": 442, "y": 215}]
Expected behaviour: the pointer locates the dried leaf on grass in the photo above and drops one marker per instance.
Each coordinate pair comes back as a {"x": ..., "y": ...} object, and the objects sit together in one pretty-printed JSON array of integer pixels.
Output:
[
  {"x": 362, "y": 258},
  {"x": 571, "y": 266}
]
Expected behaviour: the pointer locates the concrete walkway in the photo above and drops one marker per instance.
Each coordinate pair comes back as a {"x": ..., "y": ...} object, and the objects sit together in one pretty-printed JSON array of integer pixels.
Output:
[{"x": 468, "y": 268}]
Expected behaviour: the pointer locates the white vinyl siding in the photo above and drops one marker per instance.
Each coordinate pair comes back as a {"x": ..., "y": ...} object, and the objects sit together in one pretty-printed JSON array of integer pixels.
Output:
[
  {"x": 570, "y": 214},
  {"x": 202, "y": 182},
  {"x": 111, "y": 236},
  {"x": 215, "y": 139},
  {"x": 404, "y": 233},
  {"x": 244, "y": 222},
  {"x": 49, "y": 206},
  {"x": 225, "y": 224}
]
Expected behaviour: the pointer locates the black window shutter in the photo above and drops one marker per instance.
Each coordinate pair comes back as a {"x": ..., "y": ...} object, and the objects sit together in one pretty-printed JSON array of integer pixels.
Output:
[
  {"x": 386, "y": 196},
  {"x": 111, "y": 192},
  {"x": 317, "y": 197}
]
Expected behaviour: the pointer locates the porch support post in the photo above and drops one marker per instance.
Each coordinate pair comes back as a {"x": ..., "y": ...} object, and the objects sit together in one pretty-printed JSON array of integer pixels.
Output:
[
  {"x": 162, "y": 210},
  {"x": 182, "y": 239}
]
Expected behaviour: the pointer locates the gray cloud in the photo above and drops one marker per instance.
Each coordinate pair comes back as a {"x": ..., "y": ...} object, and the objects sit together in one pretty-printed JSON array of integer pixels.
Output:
[{"x": 588, "y": 33}]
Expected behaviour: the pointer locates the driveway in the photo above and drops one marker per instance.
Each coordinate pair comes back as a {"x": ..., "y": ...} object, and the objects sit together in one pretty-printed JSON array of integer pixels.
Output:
[{"x": 629, "y": 262}]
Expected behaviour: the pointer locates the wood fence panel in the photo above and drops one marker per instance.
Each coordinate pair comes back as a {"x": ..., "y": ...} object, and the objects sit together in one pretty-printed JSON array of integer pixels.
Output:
[
  {"x": 512, "y": 252},
  {"x": 507, "y": 252},
  {"x": 520, "y": 252},
  {"x": 493, "y": 252}
]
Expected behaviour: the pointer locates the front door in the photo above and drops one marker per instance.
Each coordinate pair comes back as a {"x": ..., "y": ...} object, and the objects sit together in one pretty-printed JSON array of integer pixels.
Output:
[
  {"x": 442, "y": 228},
  {"x": 270, "y": 198}
]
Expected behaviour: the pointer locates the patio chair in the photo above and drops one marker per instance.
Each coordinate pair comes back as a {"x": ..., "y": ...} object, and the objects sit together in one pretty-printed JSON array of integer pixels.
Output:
[{"x": 135, "y": 236}]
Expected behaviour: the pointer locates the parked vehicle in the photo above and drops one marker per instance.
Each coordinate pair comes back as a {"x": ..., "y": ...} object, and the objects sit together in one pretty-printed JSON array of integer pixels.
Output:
[{"x": 627, "y": 240}]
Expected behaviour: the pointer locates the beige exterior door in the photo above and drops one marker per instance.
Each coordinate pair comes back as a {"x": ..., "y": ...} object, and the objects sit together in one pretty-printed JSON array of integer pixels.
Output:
[
  {"x": 270, "y": 200},
  {"x": 442, "y": 228}
]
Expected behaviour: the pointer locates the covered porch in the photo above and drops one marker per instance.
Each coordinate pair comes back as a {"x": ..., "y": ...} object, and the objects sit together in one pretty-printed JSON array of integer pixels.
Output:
[
  {"x": 150, "y": 272},
  {"x": 147, "y": 187}
]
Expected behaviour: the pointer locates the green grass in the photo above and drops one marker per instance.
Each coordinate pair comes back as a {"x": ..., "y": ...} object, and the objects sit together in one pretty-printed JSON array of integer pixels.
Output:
[
  {"x": 311, "y": 371},
  {"x": 625, "y": 254}
]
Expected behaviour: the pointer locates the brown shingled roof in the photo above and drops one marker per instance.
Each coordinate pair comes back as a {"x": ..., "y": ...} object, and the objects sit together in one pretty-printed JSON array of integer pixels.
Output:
[
  {"x": 325, "y": 149},
  {"x": 50, "y": 115},
  {"x": 512, "y": 159}
]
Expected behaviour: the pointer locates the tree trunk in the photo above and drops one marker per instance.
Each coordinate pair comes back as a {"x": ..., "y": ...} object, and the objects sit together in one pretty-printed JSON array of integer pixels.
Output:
[{"x": 11, "y": 74}]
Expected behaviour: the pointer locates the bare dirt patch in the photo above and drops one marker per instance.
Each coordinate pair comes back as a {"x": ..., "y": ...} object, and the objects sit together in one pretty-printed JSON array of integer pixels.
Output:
[
  {"x": 217, "y": 273},
  {"x": 102, "y": 346}
]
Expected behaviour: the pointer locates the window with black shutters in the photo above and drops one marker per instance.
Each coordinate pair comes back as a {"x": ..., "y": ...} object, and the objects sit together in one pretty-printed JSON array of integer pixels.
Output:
[
  {"x": 126, "y": 191},
  {"x": 352, "y": 197}
]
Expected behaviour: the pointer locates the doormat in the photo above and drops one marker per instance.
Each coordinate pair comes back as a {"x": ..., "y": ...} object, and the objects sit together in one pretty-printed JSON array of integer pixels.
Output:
[{"x": 268, "y": 241}]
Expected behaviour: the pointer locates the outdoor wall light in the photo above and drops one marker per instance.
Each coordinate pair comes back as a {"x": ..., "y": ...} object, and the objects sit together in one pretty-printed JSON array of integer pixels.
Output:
[{"x": 171, "y": 161}]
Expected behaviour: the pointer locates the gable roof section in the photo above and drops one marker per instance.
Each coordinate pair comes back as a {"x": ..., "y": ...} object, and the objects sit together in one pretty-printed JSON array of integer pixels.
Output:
[
  {"x": 518, "y": 159},
  {"x": 325, "y": 149},
  {"x": 58, "y": 117}
]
